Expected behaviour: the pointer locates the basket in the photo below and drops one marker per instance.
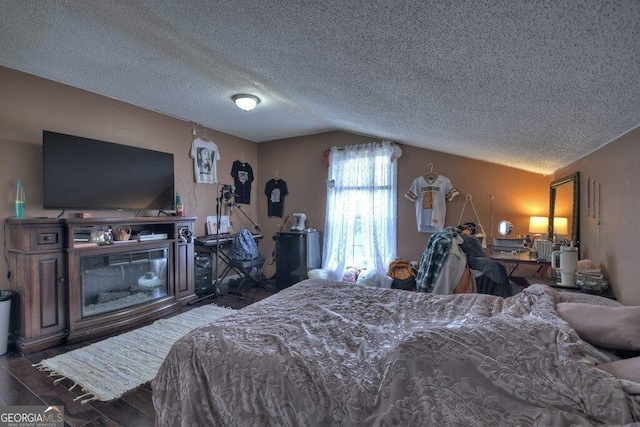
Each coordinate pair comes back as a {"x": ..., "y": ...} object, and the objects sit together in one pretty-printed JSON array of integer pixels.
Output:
[{"x": 121, "y": 234}]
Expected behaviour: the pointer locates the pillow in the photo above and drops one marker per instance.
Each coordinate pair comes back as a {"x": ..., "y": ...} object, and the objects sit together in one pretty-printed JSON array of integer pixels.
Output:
[
  {"x": 625, "y": 369},
  {"x": 350, "y": 275},
  {"x": 318, "y": 273},
  {"x": 608, "y": 327},
  {"x": 587, "y": 299},
  {"x": 369, "y": 278}
]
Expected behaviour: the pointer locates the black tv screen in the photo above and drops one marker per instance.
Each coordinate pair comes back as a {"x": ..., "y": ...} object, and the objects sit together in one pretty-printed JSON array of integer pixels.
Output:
[{"x": 87, "y": 174}]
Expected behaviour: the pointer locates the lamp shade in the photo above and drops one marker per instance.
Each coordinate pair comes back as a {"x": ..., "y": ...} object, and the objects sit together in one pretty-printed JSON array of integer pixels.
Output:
[
  {"x": 561, "y": 226},
  {"x": 246, "y": 102},
  {"x": 538, "y": 224}
]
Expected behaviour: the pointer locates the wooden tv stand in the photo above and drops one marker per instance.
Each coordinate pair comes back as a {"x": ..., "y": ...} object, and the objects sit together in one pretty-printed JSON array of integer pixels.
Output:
[{"x": 45, "y": 259}]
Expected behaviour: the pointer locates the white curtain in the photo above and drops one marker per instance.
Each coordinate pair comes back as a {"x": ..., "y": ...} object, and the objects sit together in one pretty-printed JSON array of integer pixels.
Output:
[{"x": 362, "y": 182}]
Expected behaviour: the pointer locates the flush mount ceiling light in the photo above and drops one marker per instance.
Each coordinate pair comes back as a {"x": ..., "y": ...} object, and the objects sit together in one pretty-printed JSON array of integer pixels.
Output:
[{"x": 246, "y": 102}]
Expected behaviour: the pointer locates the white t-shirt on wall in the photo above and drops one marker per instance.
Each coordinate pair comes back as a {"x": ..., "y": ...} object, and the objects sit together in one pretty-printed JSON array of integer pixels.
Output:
[
  {"x": 205, "y": 157},
  {"x": 430, "y": 195}
]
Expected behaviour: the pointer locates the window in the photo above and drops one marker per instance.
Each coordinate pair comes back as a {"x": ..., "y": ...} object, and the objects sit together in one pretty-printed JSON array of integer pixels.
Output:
[
  {"x": 361, "y": 208},
  {"x": 357, "y": 257}
]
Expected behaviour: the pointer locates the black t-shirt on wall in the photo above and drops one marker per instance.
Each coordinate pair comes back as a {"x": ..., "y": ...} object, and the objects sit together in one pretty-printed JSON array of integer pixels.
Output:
[
  {"x": 276, "y": 190},
  {"x": 242, "y": 174}
]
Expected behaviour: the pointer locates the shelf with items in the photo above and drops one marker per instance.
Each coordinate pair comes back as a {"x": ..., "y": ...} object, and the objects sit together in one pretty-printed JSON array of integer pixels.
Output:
[
  {"x": 46, "y": 259},
  {"x": 82, "y": 232},
  {"x": 554, "y": 283}
]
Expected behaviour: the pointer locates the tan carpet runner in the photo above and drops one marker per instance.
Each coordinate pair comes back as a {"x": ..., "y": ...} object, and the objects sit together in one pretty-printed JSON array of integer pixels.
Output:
[{"x": 108, "y": 369}]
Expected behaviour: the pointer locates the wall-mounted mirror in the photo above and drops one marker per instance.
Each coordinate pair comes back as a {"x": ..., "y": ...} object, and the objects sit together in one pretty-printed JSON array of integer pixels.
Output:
[
  {"x": 505, "y": 227},
  {"x": 564, "y": 208}
]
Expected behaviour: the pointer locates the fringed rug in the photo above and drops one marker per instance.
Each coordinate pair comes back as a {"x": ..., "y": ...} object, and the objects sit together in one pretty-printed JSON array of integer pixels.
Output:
[{"x": 108, "y": 369}]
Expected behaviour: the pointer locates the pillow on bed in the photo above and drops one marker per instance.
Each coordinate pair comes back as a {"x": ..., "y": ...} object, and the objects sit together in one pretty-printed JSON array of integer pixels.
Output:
[
  {"x": 625, "y": 369},
  {"x": 608, "y": 327},
  {"x": 350, "y": 275},
  {"x": 587, "y": 299},
  {"x": 368, "y": 278}
]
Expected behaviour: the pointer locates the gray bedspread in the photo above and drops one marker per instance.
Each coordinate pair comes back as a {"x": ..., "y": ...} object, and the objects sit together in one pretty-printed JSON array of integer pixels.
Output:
[{"x": 326, "y": 353}]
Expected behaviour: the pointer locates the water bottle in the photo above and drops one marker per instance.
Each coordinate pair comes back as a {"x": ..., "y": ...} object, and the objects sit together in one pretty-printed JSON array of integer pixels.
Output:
[
  {"x": 20, "y": 200},
  {"x": 179, "y": 207}
]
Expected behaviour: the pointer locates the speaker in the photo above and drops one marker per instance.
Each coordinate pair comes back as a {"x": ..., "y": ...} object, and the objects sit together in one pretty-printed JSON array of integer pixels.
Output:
[
  {"x": 202, "y": 271},
  {"x": 185, "y": 235}
]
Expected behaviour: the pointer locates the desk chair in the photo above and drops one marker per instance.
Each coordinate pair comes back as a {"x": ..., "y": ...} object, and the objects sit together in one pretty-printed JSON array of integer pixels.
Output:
[{"x": 244, "y": 268}]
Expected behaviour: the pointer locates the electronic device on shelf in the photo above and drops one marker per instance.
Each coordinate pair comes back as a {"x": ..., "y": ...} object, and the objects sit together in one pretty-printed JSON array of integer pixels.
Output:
[
  {"x": 81, "y": 236},
  {"x": 142, "y": 237},
  {"x": 212, "y": 239}
]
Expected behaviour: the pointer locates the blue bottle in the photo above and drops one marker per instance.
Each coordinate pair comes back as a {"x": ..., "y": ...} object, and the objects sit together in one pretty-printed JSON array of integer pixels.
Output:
[{"x": 20, "y": 200}]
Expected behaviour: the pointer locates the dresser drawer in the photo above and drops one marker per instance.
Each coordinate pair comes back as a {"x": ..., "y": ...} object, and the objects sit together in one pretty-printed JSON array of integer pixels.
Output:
[
  {"x": 45, "y": 239},
  {"x": 32, "y": 235}
]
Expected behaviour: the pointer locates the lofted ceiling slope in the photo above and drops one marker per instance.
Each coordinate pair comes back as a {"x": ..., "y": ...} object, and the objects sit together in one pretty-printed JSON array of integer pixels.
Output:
[{"x": 534, "y": 85}]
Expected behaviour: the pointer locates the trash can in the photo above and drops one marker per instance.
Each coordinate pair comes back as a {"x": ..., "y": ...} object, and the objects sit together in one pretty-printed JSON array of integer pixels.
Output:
[{"x": 5, "y": 311}]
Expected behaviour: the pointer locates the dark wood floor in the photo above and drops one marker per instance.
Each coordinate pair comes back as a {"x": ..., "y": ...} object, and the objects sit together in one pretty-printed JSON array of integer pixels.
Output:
[{"x": 23, "y": 384}]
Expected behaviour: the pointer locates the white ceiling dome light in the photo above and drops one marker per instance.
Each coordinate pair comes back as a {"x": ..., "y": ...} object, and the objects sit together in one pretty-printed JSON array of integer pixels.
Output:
[{"x": 246, "y": 102}]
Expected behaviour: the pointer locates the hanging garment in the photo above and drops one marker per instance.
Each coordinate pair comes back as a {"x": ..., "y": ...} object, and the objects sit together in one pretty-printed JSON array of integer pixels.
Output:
[
  {"x": 430, "y": 195},
  {"x": 242, "y": 174},
  {"x": 205, "y": 157},
  {"x": 276, "y": 190},
  {"x": 443, "y": 267}
]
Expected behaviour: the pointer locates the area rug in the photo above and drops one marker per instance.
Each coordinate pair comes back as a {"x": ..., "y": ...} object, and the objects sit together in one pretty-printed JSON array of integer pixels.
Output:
[{"x": 108, "y": 369}]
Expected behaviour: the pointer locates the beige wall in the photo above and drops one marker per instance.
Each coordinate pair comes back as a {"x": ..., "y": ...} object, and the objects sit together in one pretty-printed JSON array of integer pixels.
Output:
[
  {"x": 516, "y": 194},
  {"x": 29, "y": 105},
  {"x": 612, "y": 244}
]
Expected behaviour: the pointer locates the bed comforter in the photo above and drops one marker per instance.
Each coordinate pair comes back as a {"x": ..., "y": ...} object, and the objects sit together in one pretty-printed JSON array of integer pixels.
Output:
[{"x": 326, "y": 353}]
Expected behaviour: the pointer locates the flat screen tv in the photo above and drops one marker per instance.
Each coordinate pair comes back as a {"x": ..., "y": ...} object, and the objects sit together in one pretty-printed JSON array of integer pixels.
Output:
[{"x": 87, "y": 174}]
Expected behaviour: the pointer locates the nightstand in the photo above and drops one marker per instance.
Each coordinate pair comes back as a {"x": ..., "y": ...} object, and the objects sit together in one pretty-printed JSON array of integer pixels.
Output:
[{"x": 551, "y": 282}]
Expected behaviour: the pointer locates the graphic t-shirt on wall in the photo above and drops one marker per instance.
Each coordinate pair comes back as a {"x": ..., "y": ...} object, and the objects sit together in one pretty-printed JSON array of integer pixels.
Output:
[
  {"x": 242, "y": 174},
  {"x": 430, "y": 195},
  {"x": 205, "y": 157},
  {"x": 276, "y": 190}
]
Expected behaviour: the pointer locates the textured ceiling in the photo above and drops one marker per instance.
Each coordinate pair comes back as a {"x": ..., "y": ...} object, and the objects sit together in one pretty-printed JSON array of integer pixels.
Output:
[{"x": 534, "y": 85}]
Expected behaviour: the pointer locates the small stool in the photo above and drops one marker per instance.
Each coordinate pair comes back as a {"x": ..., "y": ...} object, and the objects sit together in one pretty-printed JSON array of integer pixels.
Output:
[{"x": 244, "y": 267}]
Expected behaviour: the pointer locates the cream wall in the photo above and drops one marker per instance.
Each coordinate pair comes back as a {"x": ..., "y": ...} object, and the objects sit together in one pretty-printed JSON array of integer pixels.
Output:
[
  {"x": 29, "y": 105},
  {"x": 613, "y": 244}
]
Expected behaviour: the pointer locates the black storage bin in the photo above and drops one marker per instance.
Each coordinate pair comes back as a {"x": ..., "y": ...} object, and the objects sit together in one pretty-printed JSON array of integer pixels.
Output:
[{"x": 297, "y": 252}]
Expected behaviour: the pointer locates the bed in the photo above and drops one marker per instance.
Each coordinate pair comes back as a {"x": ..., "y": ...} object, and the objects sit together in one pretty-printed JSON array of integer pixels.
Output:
[{"x": 329, "y": 353}]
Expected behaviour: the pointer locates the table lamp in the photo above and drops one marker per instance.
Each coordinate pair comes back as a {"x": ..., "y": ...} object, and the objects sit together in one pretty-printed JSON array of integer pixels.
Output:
[
  {"x": 538, "y": 225},
  {"x": 560, "y": 227}
]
